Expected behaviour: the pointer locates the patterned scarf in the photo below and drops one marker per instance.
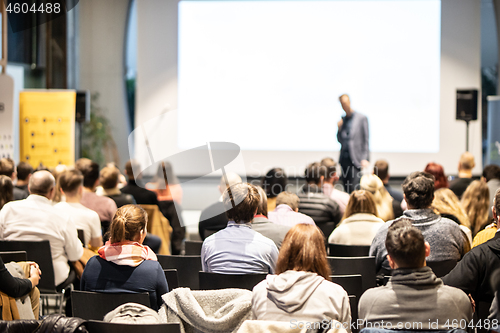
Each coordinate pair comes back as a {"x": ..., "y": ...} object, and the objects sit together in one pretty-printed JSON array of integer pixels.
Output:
[{"x": 126, "y": 253}]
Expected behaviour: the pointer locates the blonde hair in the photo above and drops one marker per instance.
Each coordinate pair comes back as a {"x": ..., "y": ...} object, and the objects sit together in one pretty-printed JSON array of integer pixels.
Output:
[
  {"x": 476, "y": 203},
  {"x": 382, "y": 198},
  {"x": 128, "y": 222},
  {"x": 360, "y": 201},
  {"x": 446, "y": 202}
]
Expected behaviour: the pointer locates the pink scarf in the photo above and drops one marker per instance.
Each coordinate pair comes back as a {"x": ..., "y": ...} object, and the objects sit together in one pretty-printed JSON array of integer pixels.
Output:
[{"x": 126, "y": 253}]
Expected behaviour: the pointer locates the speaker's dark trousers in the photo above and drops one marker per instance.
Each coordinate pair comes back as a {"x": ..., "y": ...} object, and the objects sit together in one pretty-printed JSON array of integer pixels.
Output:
[{"x": 349, "y": 173}]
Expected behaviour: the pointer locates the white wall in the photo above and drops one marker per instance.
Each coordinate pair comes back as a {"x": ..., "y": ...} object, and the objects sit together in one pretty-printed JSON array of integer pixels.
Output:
[
  {"x": 460, "y": 68},
  {"x": 101, "y": 62}
]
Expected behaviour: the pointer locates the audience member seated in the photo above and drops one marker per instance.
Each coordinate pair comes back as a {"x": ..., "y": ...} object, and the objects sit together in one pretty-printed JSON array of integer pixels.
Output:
[
  {"x": 103, "y": 206},
  {"x": 19, "y": 287},
  {"x": 35, "y": 219},
  {"x": 108, "y": 178},
  {"x": 472, "y": 274},
  {"x": 24, "y": 172},
  {"x": 287, "y": 211},
  {"x": 71, "y": 185},
  {"x": 124, "y": 264},
  {"x": 329, "y": 184},
  {"x": 465, "y": 166},
  {"x": 8, "y": 168},
  {"x": 360, "y": 223},
  {"x": 262, "y": 225},
  {"x": 437, "y": 170},
  {"x": 381, "y": 169},
  {"x": 302, "y": 289},
  {"x": 476, "y": 204},
  {"x": 324, "y": 211},
  {"x": 6, "y": 190},
  {"x": 238, "y": 249},
  {"x": 169, "y": 193},
  {"x": 274, "y": 182},
  {"x": 387, "y": 207},
  {"x": 444, "y": 236},
  {"x": 213, "y": 218},
  {"x": 56, "y": 172},
  {"x": 484, "y": 235},
  {"x": 413, "y": 294},
  {"x": 141, "y": 195},
  {"x": 491, "y": 175},
  {"x": 447, "y": 205}
]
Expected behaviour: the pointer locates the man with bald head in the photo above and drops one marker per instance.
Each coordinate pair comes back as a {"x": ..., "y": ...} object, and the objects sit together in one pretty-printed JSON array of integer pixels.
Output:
[
  {"x": 213, "y": 218},
  {"x": 465, "y": 166},
  {"x": 35, "y": 219}
]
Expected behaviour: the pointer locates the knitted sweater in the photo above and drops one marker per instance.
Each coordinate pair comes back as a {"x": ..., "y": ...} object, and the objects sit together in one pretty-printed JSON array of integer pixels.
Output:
[{"x": 443, "y": 235}]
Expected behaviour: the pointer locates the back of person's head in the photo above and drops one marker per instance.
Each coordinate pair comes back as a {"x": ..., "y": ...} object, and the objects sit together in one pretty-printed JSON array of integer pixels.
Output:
[
  {"x": 274, "y": 182},
  {"x": 405, "y": 244},
  {"x": 288, "y": 198},
  {"x": 108, "y": 177},
  {"x": 262, "y": 207},
  {"x": 418, "y": 188},
  {"x": 6, "y": 190},
  {"x": 24, "y": 170},
  {"x": 381, "y": 169},
  {"x": 228, "y": 180},
  {"x": 313, "y": 173},
  {"x": 476, "y": 203},
  {"x": 41, "y": 182},
  {"x": 491, "y": 171},
  {"x": 446, "y": 202},
  {"x": 7, "y": 167},
  {"x": 437, "y": 170},
  {"x": 382, "y": 198},
  {"x": 329, "y": 167},
  {"x": 241, "y": 202},
  {"x": 360, "y": 201},
  {"x": 130, "y": 167},
  {"x": 70, "y": 181},
  {"x": 303, "y": 249},
  {"x": 467, "y": 161},
  {"x": 165, "y": 174},
  {"x": 89, "y": 170},
  {"x": 127, "y": 224}
]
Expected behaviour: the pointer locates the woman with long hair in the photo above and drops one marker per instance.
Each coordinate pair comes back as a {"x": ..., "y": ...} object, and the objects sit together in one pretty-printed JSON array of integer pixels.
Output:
[
  {"x": 360, "y": 222},
  {"x": 383, "y": 199},
  {"x": 437, "y": 170},
  {"x": 6, "y": 190},
  {"x": 124, "y": 264},
  {"x": 302, "y": 289},
  {"x": 476, "y": 204}
]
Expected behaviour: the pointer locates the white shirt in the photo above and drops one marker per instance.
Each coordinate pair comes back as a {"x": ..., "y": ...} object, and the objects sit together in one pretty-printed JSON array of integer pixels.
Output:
[
  {"x": 84, "y": 219},
  {"x": 35, "y": 219}
]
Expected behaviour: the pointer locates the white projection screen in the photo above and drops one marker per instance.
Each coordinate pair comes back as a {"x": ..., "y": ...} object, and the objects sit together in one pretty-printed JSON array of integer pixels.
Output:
[{"x": 267, "y": 75}]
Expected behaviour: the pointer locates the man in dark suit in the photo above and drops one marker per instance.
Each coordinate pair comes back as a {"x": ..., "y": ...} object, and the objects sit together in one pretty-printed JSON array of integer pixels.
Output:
[{"x": 354, "y": 152}]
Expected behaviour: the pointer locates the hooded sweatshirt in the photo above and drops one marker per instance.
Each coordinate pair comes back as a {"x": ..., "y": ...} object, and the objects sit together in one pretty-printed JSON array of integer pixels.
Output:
[
  {"x": 300, "y": 296},
  {"x": 414, "y": 297}
]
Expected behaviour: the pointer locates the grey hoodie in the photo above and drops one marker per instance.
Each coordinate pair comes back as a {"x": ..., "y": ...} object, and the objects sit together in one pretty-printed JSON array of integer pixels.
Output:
[{"x": 301, "y": 297}]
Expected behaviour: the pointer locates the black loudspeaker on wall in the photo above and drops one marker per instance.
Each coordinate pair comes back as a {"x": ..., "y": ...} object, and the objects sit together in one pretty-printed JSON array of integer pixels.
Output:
[
  {"x": 467, "y": 104},
  {"x": 82, "y": 111}
]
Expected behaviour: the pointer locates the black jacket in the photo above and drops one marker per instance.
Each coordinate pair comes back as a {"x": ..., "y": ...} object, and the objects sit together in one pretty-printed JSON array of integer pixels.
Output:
[
  {"x": 472, "y": 274},
  {"x": 141, "y": 195}
]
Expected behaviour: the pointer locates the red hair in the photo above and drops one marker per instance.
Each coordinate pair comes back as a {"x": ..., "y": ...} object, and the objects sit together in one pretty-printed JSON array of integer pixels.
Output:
[{"x": 437, "y": 171}]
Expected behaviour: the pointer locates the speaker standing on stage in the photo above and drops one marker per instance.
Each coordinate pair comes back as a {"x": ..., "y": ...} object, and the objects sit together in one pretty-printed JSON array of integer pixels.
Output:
[{"x": 353, "y": 137}]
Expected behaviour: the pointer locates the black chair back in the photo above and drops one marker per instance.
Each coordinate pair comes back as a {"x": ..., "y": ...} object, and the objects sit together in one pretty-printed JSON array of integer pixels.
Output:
[
  {"x": 187, "y": 269},
  {"x": 353, "y": 304},
  {"x": 212, "y": 281},
  {"x": 102, "y": 327},
  {"x": 193, "y": 248},
  {"x": 172, "y": 278},
  {"x": 441, "y": 268},
  {"x": 90, "y": 305},
  {"x": 39, "y": 252},
  {"x": 353, "y": 284},
  {"x": 365, "y": 266},
  {"x": 81, "y": 236},
  {"x": 340, "y": 250},
  {"x": 14, "y": 256},
  {"x": 326, "y": 228}
]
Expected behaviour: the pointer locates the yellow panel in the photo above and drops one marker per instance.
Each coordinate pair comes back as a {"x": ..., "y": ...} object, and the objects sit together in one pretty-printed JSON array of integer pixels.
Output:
[{"x": 47, "y": 127}]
